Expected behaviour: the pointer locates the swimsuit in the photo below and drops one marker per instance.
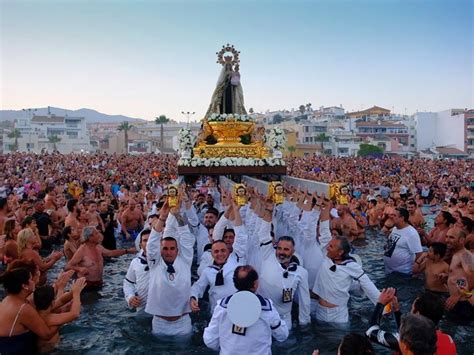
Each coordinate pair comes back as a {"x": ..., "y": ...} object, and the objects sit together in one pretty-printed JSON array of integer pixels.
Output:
[{"x": 20, "y": 344}]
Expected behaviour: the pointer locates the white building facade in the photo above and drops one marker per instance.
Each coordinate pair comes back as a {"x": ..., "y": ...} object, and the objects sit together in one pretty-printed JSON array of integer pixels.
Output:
[
  {"x": 435, "y": 129},
  {"x": 36, "y": 132}
]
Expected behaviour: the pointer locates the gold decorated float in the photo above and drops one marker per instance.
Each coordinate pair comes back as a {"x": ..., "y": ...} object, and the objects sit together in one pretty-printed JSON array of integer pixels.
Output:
[{"x": 228, "y": 133}]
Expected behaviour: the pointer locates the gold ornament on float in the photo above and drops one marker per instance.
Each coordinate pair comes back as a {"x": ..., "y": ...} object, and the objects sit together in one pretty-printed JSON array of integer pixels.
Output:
[
  {"x": 173, "y": 199},
  {"x": 240, "y": 194},
  {"x": 276, "y": 192}
]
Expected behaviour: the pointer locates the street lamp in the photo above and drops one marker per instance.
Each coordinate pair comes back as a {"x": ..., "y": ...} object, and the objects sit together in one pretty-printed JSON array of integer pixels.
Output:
[{"x": 187, "y": 114}]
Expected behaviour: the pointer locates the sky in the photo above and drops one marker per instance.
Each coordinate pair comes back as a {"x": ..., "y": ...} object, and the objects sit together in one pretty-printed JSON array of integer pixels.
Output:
[{"x": 148, "y": 58}]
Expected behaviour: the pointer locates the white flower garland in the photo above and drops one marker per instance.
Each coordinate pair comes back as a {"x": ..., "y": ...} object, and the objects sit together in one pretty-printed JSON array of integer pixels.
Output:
[
  {"x": 231, "y": 161},
  {"x": 186, "y": 140},
  {"x": 276, "y": 138},
  {"x": 216, "y": 117}
]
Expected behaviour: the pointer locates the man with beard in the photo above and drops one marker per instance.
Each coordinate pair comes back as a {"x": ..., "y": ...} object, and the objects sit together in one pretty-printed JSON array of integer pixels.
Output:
[
  {"x": 281, "y": 275},
  {"x": 218, "y": 276},
  {"x": 203, "y": 231},
  {"x": 106, "y": 213}
]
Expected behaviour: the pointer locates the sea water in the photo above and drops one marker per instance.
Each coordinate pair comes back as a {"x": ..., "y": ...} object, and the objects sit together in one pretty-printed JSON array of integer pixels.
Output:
[{"x": 107, "y": 326}]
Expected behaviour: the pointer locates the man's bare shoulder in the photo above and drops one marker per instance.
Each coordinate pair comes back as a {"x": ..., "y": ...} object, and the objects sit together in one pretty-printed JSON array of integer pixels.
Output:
[{"x": 467, "y": 258}]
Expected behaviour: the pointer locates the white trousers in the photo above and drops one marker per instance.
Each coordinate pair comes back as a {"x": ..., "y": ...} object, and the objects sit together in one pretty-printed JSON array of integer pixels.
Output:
[
  {"x": 182, "y": 326},
  {"x": 338, "y": 314}
]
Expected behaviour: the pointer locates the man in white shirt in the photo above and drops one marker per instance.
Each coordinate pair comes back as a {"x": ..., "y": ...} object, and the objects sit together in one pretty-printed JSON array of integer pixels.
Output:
[
  {"x": 403, "y": 245},
  {"x": 336, "y": 276},
  {"x": 169, "y": 290},
  {"x": 218, "y": 275},
  {"x": 282, "y": 278},
  {"x": 135, "y": 284},
  {"x": 222, "y": 335}
]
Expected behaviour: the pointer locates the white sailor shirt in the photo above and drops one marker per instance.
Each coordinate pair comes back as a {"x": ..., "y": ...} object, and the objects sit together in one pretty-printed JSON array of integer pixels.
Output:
[
  {"x": 208, "y": 276},
  {"x": 312, "y": 249},
  {"x": 168, "y": 293},
  {"x": 281, "y": 285},
  {"x": 334, "y": 281},
  {"x": 221, "y": 335},
  {"x": 137, "y": 279}
]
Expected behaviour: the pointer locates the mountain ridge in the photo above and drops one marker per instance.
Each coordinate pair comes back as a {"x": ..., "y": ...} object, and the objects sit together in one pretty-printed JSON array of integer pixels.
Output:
[{"x": 91, "y": 115}]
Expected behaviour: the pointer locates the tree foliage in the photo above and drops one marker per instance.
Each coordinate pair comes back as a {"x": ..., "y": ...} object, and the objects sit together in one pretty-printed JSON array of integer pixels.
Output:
[{"x": 369, "y": 150}]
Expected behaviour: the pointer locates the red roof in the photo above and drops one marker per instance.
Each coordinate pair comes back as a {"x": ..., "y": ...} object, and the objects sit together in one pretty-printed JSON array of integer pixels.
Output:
[{"x": 450, "y": 151}]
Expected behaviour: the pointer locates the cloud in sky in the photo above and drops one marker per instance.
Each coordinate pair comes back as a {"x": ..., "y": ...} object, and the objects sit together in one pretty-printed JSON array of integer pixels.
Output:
[{"x": 148, "y": 58}]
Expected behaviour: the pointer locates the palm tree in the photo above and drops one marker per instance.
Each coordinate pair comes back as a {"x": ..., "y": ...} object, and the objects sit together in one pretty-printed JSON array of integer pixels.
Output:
[
  {"x": 125, "y": 126},
  {"x": 54, "y": 139},
  {"x": 162, "y": 119},
  {"x": 308, "y": 107},
  {"x": 16, "y": 133},
  {"x": 302, "y": 108},
  {"x": 251, "y": 110},
  {"x": 322, "y": 137}
]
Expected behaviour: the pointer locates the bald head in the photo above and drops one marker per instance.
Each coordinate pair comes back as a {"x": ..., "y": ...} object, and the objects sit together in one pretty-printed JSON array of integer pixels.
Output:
[{"x": 455, "y": 238}]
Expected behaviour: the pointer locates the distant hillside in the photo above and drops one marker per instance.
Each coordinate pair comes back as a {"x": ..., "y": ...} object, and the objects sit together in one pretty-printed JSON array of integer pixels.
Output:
[{"x": 90, "y": 115}]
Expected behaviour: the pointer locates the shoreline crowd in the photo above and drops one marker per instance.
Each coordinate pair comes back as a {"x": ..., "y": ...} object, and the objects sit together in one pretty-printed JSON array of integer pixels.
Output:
[{"x": 295, "y": 256}]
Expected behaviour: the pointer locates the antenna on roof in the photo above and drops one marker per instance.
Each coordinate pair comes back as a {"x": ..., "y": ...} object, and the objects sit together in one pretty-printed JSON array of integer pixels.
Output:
[{"x": 49, "y": 110}]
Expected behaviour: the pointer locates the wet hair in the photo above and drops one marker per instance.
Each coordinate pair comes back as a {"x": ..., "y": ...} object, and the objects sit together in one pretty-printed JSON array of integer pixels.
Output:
[
  {"x": 27, "y": 221},
  {"x": 467, "y": 223},
  {"x": 24, "y": 264},
  {"x": 411, "y": 202},
  {"x": 87, "y": 232},
  {"x": 374, "y": 202},
  {"x": 66, "y": 233},
  {"x": 403, "y": 213},
  {"x": 344, "y": 245},
  {"x": 14, "y": 279},
  {"x": 453, "y": 201},
  {"x": 448, "y": 217},
  {"x": 355, "y": 344},
  {"x": 43, "y": 297},
  {"x": 213, "y": 211},
  {"x": 23, "y": 238},
  {"x": 71, "y": 204},
  {"x": 9, "y": 228},
  {"x": 287, "y": 239},
  {"x": 464, "y": 199},
  {"x": 439, "y": 249},
  {"x": 418, "y": 333},
  {"x": 228, "y": 230},
  {"x": 245, "y": 277},
  {"x": 429, "y": 305},
  {"x": 144, "y": 232}
]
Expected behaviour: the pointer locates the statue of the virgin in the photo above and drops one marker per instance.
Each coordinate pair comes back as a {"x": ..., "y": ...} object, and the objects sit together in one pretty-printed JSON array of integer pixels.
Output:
[{"x": 228, "y": 96}]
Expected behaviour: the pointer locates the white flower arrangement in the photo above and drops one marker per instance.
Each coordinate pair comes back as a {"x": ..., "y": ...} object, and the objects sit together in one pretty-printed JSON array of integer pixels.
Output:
[
  {"x": 216, "y": 117},
  {"x": 186, "y": 140},
  {"x": 276, "y": 138},
  {"x": 230, "y": 161}
]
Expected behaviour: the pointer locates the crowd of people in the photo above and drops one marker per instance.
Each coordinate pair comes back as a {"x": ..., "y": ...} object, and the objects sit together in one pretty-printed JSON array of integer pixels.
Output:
[{"x": 295, "y": 256}]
